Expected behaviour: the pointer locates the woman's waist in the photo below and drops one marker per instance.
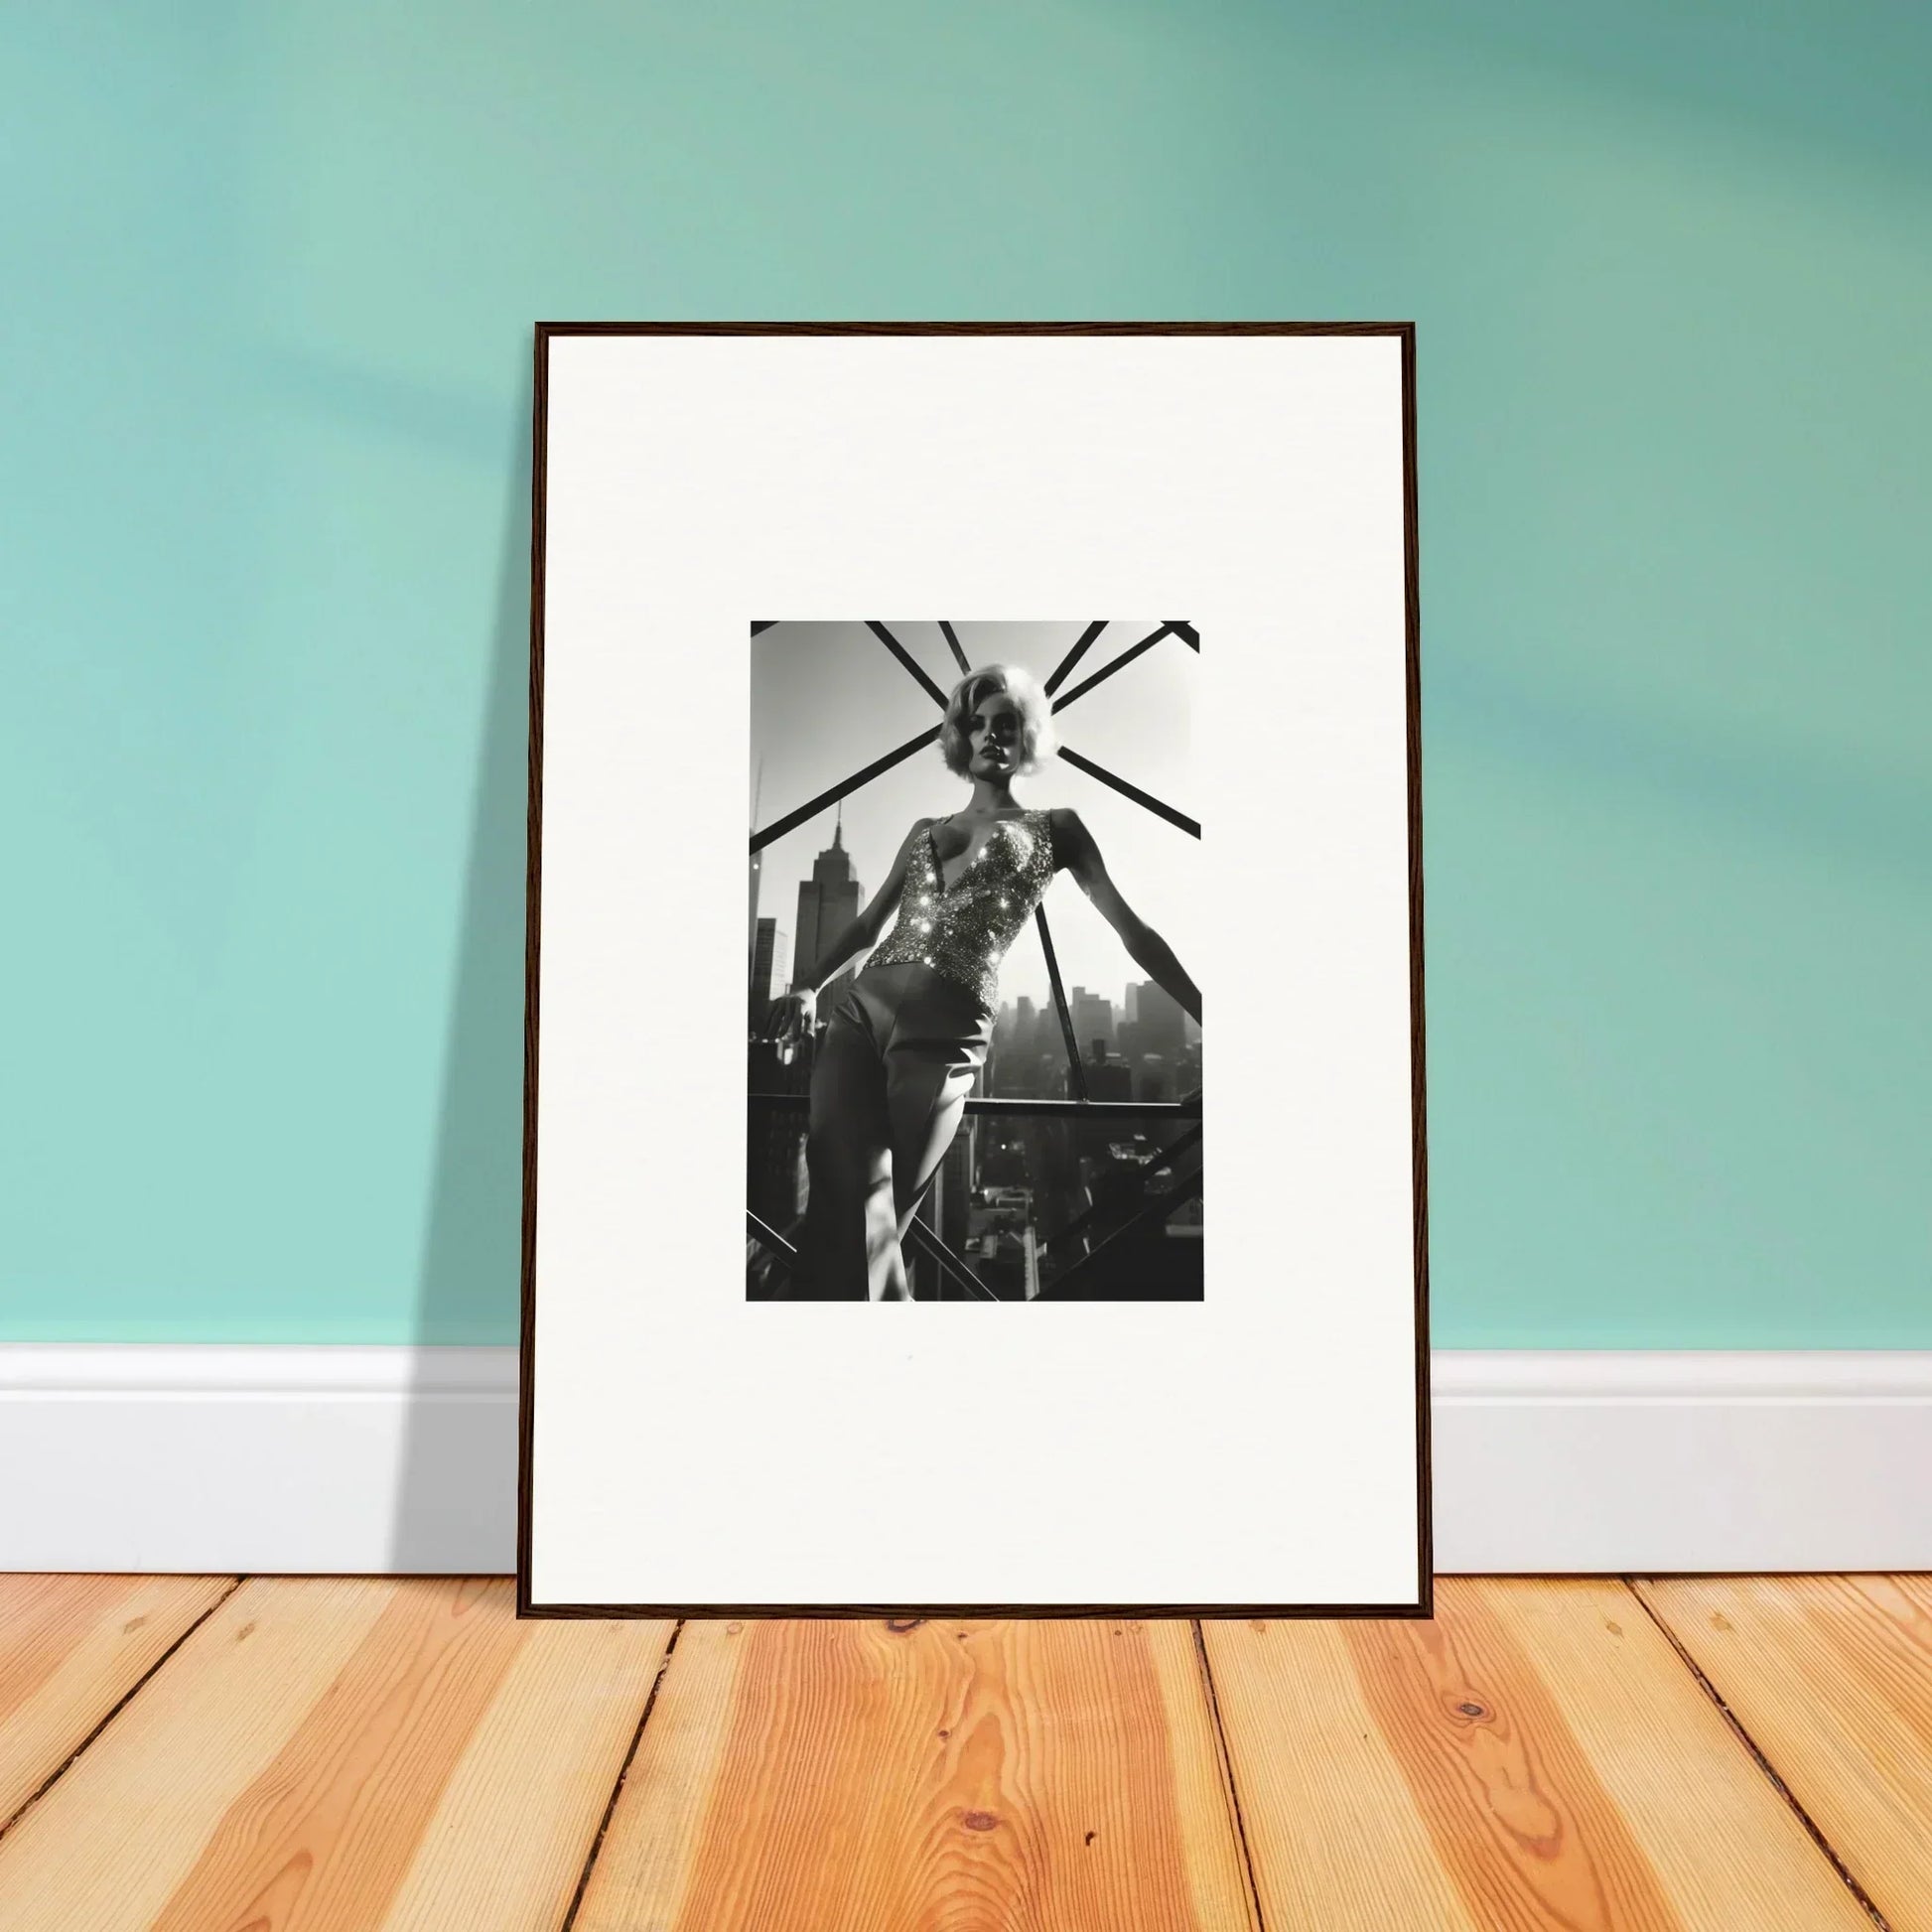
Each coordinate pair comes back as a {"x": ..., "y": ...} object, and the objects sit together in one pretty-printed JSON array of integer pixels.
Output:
[
  {"x": 981, "y": 929},
  {"x": 953, "y": 981}
]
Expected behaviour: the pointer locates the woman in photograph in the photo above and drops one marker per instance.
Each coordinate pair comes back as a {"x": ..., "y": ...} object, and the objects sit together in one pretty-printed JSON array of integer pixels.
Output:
[{"x": 902, "y": 1049}]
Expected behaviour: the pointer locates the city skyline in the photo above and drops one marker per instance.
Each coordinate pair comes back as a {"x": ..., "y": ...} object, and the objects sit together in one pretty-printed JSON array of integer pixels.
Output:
[
  {"x": 774, "y": 949},
  {"x": 828, "y": 698}
]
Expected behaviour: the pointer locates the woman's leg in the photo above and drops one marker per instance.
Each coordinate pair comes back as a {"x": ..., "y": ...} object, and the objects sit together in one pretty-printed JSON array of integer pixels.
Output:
[
  {"x": 937, "y": 1046},
  {"x": 848, "y": 1246}
]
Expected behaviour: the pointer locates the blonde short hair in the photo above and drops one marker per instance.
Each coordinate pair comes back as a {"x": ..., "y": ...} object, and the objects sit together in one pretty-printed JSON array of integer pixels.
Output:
[{"x": 1037, "y": 739}]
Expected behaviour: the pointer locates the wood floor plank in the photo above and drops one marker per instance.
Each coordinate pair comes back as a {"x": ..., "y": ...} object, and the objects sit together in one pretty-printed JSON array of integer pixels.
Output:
[
  {"x": 71, "y": 1648},
  {"x": 335, "y": 1753},
  {"x": 110, "y": 1842},
  {"x": 1536, "y": 1757},
  {"x": 1832, "y": 1676},
  {"x": 944, "y": 1775},
  {"x": 521, "y": 1813},
  {"x": 1334, "y": 1831}
]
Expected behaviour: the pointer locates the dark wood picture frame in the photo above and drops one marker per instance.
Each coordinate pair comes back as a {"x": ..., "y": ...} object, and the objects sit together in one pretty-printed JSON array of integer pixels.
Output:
[{"x": 1423, "y": 1607}]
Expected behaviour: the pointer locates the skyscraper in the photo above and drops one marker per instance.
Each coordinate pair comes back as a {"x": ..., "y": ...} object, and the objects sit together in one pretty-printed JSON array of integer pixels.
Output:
[
  {"x": 761, "y": 957},
  {"x": 827, "y": 903},
  {"x": 1093, "y": 1016},
  {"x": 1016, "y": 1043},
  {"x": 1159, "y": 1022},
  {"x": 1160, "y": 1045},
  {"x": 752, "y": 921}
]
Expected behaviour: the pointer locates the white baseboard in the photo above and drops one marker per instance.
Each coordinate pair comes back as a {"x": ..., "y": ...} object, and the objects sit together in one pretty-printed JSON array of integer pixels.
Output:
[
  {"x": 1632, "y": 1461},
  {"x": 271, "y": 1461},
  {"x": 337, "y": 1460}
]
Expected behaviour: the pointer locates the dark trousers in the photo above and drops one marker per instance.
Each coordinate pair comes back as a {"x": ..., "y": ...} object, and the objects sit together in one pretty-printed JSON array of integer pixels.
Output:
[{"x": 889, "y": 1080}]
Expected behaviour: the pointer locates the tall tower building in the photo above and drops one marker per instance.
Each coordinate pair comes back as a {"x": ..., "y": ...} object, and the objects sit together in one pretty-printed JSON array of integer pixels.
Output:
[
  {"x": 827, "y": 903},
  {"x": 1018, "y": 1053},
  {"x": 1161, "y": 1021},
  {"x": 752, "y": 919},
  {"x": 761, "y": 957},
  {"x": 1093, "y": 1017}
]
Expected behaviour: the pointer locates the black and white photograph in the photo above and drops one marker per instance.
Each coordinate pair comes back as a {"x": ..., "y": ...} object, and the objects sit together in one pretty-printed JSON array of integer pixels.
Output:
[{"x": 974, "y": 1062}]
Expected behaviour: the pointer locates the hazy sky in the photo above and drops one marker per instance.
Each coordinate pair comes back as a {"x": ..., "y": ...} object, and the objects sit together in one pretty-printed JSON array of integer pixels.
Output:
[{"x": 828, "y": 698}]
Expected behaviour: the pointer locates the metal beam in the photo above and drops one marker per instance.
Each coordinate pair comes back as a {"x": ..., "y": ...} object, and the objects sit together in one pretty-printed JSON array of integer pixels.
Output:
[
  {"x": 906, "y": 659},
  {"x": 1191, "y": 826},
  {"x": 950, "y": 1264},
  {"x": 1076, "y": 1073},
  {"x": 764, "y": 1232},
  {"x": 1058, "y": 676},
  {"x": 958, "y": 652},
  {"x": 1179, "y": 1144},
  {"x": 1126, "y": 658},
  {"x": 1151, "y": 1215},
  {"x": 813, "y": 807}
]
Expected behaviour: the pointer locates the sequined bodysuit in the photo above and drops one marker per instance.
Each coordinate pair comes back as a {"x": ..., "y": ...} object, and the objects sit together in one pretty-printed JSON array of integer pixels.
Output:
[{"x": 963, "y": 930}]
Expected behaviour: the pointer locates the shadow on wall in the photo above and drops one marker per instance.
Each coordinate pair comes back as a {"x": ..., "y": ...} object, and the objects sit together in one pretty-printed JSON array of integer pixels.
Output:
[{"x": 456, "y": 1492}]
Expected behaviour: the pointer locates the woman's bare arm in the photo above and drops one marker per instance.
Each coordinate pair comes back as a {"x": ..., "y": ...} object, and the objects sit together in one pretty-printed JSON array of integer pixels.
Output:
[
  {"x": 860, "y": 933},
  {"x": 1075, "y": 845}
]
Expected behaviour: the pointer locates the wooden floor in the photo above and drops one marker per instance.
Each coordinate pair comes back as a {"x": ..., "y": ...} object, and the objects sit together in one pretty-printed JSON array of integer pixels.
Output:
[{"x": 208, "y": 1754}]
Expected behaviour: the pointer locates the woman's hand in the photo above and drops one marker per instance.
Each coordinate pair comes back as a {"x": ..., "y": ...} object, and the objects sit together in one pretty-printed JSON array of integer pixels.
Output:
[{"x": 792, "y": 1015}]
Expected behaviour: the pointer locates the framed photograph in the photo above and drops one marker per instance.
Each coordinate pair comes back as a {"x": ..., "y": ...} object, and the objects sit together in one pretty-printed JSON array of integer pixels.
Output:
[{"x": 881, "y": 846}]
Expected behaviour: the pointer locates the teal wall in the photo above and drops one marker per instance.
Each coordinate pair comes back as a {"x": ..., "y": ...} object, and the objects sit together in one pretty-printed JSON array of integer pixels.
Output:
[{"x": 269, "y": 275}]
